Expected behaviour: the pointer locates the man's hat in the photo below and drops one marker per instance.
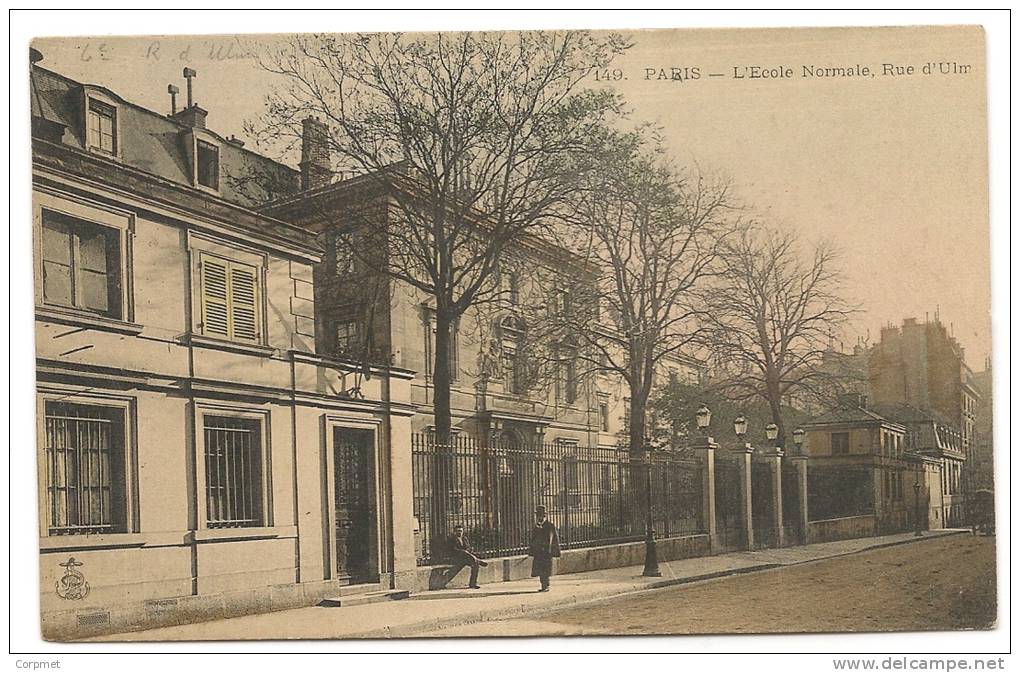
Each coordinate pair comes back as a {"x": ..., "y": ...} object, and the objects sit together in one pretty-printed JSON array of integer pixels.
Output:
[{"x": 540, "y": 509}]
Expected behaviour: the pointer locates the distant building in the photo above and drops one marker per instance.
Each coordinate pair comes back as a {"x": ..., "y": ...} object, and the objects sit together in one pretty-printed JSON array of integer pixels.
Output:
[
  {"x": 860, "y": 465},
  {"x": 931, "y": 435},
  {"x": 982, "y": 455},
  {"x": 923, "y": 366}
]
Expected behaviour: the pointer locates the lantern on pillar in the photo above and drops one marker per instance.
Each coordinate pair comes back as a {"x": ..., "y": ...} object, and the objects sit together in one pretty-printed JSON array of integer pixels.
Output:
[
  {"x": 798, "y": 439},
  {"x": 740, "y": 427},
  {"x": 703, "y": 417}
]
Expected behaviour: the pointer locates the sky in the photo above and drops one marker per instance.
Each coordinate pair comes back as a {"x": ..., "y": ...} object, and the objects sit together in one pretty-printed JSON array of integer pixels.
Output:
[{"x": 892, "y": 168}]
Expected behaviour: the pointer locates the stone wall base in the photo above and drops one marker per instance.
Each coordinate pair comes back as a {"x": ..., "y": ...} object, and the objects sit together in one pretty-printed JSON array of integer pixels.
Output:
[
  {"x": 430, "y": 578},
  {"x": 846, "y": 528},
  {"x": 67, "y": 625}
]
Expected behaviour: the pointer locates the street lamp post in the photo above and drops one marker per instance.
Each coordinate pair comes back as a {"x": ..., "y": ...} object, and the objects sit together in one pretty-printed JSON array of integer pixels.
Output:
[
  {"x": 917, "y": 507},
  {"x": 651, "y": 553},
  {"x": 772, "y": 434}
]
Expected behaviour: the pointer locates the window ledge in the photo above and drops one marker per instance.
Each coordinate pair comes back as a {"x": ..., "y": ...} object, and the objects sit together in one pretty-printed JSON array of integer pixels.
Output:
[
  {"x": 54, "y": 543},
  {"x": 235, "y": 346},
  {"x": 79, "y": 318},
  {"x": 254, "y": 533}
]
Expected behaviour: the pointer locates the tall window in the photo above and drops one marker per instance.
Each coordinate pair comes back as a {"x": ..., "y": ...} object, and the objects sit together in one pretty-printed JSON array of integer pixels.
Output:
[
  {"x": 230, "y": 299},
  {"x": 208, "y": 168},
  {"x": 85, "y": 474},
  {"x": 570, "y": 379},
  {"x": 604, "y": 416},
  {"x": 511, "y": 336},
  {"x": 510, "y": 287},
  {"x": 840, "y": 443},
  {"x": 233, "y": 472},
  {"x": 343, "y": 253},
  {"x": 80, "y": 265},
  {"x": 102, "y": 127},
  {"x": 564, "y": 306}
]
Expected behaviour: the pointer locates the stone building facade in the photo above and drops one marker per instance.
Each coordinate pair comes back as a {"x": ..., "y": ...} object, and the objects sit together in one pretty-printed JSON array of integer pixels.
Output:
[
  {"x": 196, "y": 458},
  {"x": 494, "y": 398}
]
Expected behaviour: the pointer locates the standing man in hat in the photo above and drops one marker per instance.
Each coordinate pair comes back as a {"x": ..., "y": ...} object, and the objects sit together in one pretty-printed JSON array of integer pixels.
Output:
[{"x": 545, "y": 546}]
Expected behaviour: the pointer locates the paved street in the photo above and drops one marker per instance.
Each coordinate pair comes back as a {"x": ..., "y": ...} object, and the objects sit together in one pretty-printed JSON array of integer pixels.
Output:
[
  {"x": 941, "y": 584},
  {"x": 753, "y": 582}
]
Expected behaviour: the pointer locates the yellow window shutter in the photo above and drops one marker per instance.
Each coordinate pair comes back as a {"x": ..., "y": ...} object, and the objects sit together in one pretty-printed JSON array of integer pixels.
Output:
[{"x": 215, "y": 300}]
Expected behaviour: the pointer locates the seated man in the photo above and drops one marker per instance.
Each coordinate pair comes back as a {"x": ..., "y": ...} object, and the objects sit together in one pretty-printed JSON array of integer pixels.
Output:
[{"x": 460, "y": 555}]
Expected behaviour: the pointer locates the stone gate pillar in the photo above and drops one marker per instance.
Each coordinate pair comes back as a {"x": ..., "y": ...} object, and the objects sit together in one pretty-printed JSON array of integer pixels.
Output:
[
  {"x": 774, "y": 457},
  {"x": 743, "y": 457},
  {"x": 705, "y": 448},
  {"x": 801, "y": 465}
]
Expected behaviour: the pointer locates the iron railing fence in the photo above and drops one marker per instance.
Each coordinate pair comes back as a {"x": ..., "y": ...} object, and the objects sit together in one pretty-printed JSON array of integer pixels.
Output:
[
  {"x": 594, "y": 495},
  {"x": 729, "y": 511},
  {"x": 763, "y": 514},
  {"x": 792, "y": 530}
]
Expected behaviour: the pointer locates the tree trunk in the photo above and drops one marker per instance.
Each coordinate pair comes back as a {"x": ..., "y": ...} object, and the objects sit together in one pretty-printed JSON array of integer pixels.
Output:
[
  {"x": 776, "y": 408},
  {"x": 639, "y": 485},
  {"x": 443, "y": 454},
  {"x": 441, "y": 378},
  {"x": 638, "y": 411}
]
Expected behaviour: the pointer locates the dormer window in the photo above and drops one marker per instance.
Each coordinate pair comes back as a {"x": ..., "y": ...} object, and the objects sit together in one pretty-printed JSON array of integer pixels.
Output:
[
  {"x": 208, "y": 165},
  {"x": 102, "y": 127}
]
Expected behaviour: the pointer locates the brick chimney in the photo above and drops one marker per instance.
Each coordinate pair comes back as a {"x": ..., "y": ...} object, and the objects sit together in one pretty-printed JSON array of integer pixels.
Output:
[
  {"x": 315, "y": 155},
  {"x": 192, "y": 116}
]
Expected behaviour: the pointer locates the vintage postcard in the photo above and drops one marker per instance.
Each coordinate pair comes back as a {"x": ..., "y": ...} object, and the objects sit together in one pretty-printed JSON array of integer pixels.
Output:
[{"x": 559, "y": 332}]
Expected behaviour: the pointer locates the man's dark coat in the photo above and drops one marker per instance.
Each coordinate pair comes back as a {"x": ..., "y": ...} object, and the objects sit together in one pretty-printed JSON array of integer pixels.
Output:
[{"x": 544, "y": 547}]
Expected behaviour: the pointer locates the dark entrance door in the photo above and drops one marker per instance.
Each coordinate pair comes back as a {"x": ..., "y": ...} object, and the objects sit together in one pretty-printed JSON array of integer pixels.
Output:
[{"x": 354, "y": 505}]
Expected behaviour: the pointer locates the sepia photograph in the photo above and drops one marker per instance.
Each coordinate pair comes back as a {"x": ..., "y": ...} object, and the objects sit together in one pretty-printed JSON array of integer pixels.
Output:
[{"x": 511, "y": 333}]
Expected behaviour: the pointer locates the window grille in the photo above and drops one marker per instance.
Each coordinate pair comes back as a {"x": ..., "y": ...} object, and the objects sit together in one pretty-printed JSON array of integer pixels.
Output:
[
  {"x": 84, "y": 469},
  {"x": 233, "y": 472}
]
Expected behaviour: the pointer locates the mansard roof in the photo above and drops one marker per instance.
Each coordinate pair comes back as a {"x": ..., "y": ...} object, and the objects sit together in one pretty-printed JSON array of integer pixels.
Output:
[{"x": 152, "y": 142}]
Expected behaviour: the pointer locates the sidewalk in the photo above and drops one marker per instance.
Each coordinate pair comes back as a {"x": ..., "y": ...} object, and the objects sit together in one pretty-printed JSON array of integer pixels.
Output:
[{"x": 435, "y": 610}]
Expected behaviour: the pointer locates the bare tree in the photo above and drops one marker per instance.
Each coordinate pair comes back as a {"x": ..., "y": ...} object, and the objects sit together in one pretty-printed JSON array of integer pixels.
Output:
[
  {"x": 652, "y": 234},
  {"x": 773, "y": 317},
  {"x": 473, "y": 138}
]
